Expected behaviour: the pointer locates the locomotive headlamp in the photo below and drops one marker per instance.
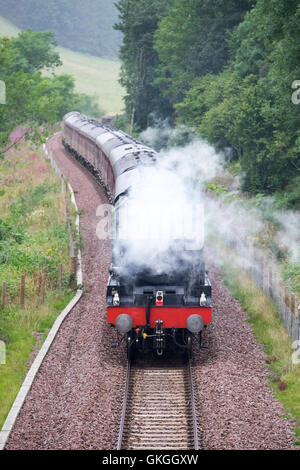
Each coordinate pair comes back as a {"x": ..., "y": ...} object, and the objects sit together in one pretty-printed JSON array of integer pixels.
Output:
[
  {"x": 116, "y": 299},
  {"x": 159, "y": 298},
  {"x": 123, "y": 323},
  {"x": 194, "y": 323},
  {"x": 202, "y": 300}
]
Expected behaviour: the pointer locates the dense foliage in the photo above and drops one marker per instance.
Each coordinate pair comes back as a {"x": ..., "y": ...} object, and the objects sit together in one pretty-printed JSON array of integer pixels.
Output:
[
  {"x": 191, "y": 41},
  {"x": 80, "y": 26},
  {"x": 226, "y": 68},
  {"x": 138, "y": 23},
  {"x": 34, "y": 100},
  {"x": 248, "y": 106}
]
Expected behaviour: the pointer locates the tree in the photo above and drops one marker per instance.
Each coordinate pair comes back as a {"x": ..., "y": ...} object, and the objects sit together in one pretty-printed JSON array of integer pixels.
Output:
[
  {"x": 248, "y": 106},
  {"x": 36, "y": 50},
  {"x": 138, "y": 22},
  {"x": 33, "y": 100},
  {"x": 191, "y": 41}
]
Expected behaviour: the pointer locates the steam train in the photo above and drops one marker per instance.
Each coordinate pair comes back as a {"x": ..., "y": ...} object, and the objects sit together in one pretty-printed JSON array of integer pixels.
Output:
[{"x": 150, "y": 308}]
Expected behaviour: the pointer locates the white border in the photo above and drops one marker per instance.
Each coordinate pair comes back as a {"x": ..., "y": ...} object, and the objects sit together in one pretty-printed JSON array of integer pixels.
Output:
[{"x": 26, "y": 385}]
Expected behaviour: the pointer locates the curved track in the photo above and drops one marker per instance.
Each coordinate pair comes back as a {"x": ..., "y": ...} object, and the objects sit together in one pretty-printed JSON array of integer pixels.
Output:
[
  {"x": 158, "y": 408},
  {"x": 75, "y": 399}
]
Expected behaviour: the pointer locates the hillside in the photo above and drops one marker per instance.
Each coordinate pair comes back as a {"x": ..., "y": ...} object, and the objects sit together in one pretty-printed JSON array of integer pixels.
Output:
[
  {"x": 82, "y": 26},
  {"x": 93, "y": 75}
]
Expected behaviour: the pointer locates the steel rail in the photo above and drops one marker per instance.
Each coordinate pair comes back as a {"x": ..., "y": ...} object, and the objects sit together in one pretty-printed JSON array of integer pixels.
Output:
[
  {"x": 193, "y": 406},
  {"x": 124, "y": 407}
]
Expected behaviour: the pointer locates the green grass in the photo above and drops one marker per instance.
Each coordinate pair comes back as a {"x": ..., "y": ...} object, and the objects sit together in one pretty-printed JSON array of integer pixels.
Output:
[
  {"x": 33, "y": 233},
  {"x": 33, "y": 236},
  {"x": 19, "y": 325},
  {"x": 269, "y": 331},
  {"x": 93, "y": 75},
  {"x": 291, "y": 276}
]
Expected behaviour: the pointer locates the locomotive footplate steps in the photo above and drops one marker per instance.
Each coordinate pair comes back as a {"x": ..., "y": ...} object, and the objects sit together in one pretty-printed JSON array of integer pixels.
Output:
[{"x": 158, "y": 409}]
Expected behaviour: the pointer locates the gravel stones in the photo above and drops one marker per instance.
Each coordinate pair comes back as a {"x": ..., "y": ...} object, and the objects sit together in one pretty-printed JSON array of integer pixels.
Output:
[
  {"x": 76, "y": 398},
  {"x": 236, "y": 408}
]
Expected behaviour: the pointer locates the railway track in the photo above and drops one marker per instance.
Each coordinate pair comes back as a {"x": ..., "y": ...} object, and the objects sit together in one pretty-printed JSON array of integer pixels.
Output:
[{"x": 158, "y": 408}]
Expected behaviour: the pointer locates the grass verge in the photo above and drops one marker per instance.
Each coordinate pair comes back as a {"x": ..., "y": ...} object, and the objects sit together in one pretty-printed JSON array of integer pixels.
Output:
[
  {"x": 270, "y": 332},
  {"x": 33, "y": 236},
  {"x": 19, "y": 329}
]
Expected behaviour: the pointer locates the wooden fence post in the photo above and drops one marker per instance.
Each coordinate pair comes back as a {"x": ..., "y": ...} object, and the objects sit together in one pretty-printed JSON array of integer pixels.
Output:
[
  {"x": 286, "y": 296},
  {"x": 293, "y": 304},
  {"x": 298, "y": 333},
  {"x": 72, "y": 251},
  {"x": 74, "y": 269},
  {"x": 262, "y": 267},
  {"x": 43, "y": 286},
  {"x": 63, "y": 190},
  {"x": 72, "y": 243},
  {"x": 271, "y": 282},
  {"x": 3, "y": 296},
  {"x": 287, "y": 305},
  {"x": 22, "y": 292},
  {"x": 59, "y": 281},
  {"x": 290, "y": 327}
]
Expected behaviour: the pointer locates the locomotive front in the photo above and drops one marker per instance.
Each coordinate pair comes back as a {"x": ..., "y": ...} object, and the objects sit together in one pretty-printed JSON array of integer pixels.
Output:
[
  {"x": 158, "y": 292},
  {"x": 150, "y": 309}
]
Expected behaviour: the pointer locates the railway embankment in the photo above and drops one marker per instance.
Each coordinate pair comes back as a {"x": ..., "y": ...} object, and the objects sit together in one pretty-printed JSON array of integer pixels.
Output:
[{"x": 35, "y": 265}]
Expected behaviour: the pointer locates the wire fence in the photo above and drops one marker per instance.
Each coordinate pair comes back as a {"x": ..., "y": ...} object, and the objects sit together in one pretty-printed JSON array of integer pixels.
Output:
[
  {"x": 263, "y": 268},
  {"x": 264, "y": 272},
  {"x": 69, "y": 222},
  {"x": 17, "y": 292},
  {"x": 268, "y": 279}
]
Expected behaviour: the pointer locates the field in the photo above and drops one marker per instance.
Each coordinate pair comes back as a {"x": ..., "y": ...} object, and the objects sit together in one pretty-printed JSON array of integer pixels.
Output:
[{"x": 93, "y": 75}]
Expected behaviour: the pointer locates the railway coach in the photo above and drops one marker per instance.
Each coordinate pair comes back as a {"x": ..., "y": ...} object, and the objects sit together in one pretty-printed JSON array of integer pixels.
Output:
[{"x": 150, "y": 307}]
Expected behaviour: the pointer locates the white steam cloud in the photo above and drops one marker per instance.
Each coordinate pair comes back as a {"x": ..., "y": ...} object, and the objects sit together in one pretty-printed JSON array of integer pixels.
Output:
[{"x": 169, "y": 203}]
